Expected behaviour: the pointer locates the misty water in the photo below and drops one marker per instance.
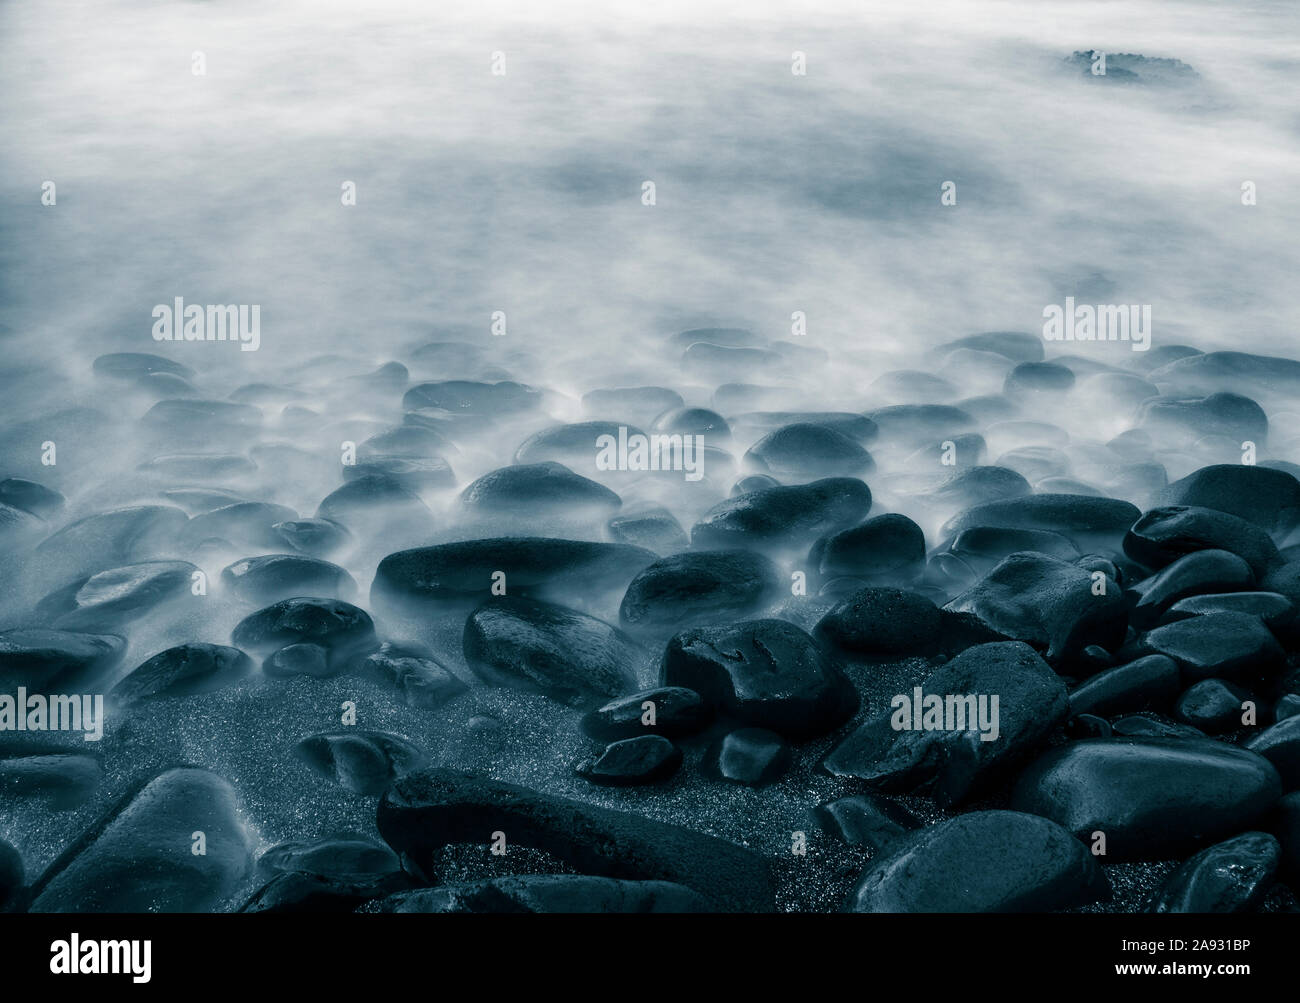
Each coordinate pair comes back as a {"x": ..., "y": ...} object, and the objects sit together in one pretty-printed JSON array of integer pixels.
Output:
[{"x": 521, "y": 195}]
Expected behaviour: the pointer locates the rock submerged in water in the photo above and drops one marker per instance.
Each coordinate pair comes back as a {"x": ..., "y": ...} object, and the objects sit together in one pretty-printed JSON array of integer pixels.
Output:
[
  {"x": 64, "y": 780},
  {"x": 1153, "y": 798},
  {"x": 699, "y": 587},
  {"x": 654, "y": 528},
  {"x": 982, "y": 862},
  {"x": 11, "y": 874},
  {"x": 41, "y": 659},
  {"x": 341, "y": 628},
  {"x": 423, "y": 812},
  {"x": 888, "y": 548},
  {"x": 541, "y": 647},
  {"x": 31, "y": 497},
  {"x": 806, "y": 449},
  {"x": 273, "y": 577},
  {"x": 895, "y": 750},
  {"x": 183, "y": 671},
  {"x": 111, "y": 599},
  {"x": 465, "y": 572},
  {"x": 412, "y": 671},
  {"x": 108, "y": 540},
  {"x": 784, "y": 517},
  {"x": 765, "y": 673},
  {"x": 547, "y": 490},
  {"x": 138, "y": 857}
]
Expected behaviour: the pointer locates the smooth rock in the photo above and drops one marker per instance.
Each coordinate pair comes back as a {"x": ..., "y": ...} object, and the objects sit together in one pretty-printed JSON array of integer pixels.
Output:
[
  {"x": 183, "y": 671},
  {"x": 808, "y": 450},
  {"x": 272, "y": 577},
  {"x": 541, "y": 647},
  {"x": 1152, "y": 797},
  {"x": 699, "y": 587},
  {"x": 645, "y": 759},
  {"x": 1052, "y": 604},
  {"x": 888, "y": 548},
  {"x": 765, "y": 673},
  {"x": 1232, "y": 876},
  {"x": 45, "y": 660},
  {"x": 1165, "y": 534},
  {"x": 1217, "y": 644},
  {"x": 1152, "y": 681},
  {"x": 983, "y": 862},
  {"x": 784, "y": 517}
]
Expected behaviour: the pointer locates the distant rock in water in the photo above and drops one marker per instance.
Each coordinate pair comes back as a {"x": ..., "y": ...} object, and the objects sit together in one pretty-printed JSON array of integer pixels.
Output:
[
  {"x": 1132, "y": 68},
  {"x": 467, "y": 571},
  {"x": 1015, "y": 345},
  {"x": 784, "y": 517},
  {"x": 131, "y": 366},
  {"x": 282, "y": 576},
  {"x": 469, "y": 397},
  {"x": 806, "y": 449},
  {"x": 548, "y": 490}
]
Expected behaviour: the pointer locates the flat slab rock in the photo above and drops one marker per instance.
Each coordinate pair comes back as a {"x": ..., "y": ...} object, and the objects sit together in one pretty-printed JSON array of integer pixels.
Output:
[{"x": 425, "y": 811}]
